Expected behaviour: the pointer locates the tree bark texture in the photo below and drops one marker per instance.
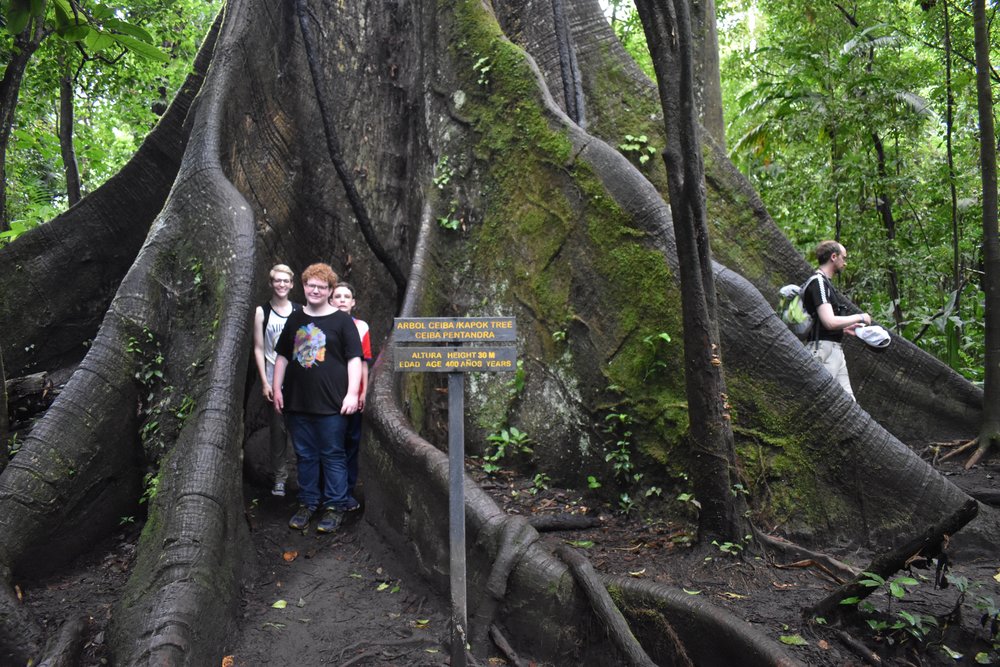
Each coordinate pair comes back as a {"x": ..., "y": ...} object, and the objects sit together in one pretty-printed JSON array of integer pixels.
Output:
[
  {"x": 989, "y": 430},
  {"x": 438, "y": 112},
  {"x": 714, "y": 467},
  {"x": 70, "y": 167}
]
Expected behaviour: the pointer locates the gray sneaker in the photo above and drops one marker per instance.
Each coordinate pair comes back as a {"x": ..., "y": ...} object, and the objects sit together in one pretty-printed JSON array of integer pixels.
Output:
[
  {"x": 331, "y": 520},
  {"x": 301, "y": 518}
]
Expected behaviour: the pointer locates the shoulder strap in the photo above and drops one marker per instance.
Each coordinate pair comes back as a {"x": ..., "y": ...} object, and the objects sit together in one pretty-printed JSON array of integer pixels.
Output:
[{"x": 263, "y": 325}]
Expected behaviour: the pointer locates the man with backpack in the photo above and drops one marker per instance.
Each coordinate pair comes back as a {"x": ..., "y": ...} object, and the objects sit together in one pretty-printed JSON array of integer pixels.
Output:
[{"x": 830, "y": 313}]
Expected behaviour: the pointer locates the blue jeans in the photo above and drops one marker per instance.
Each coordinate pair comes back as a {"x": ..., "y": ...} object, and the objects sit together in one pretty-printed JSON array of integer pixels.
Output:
[
  {"x": 352, "y": 447},
  {"x": 322, "y": 463}
]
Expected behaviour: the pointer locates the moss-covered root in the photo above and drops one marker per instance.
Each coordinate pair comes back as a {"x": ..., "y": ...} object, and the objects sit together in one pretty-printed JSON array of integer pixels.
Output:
[
  {"x": 604, "y": 607},
  {"x": 516, "y": 536},
  {"x": 712, "y": 635}
]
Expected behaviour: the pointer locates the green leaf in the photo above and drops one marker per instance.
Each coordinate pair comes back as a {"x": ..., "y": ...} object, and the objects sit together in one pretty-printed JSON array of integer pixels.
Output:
[
  {"x": 17, "y": 19},
  {"x": 954, "y": 655},
  {"x": 280, "y": 604},
  {"x": 691, "y": 592},
  {"x": 141, "y": 49},
  {"x": 851, "y": 600},
  {"x": 583, "y": 544},
  {"x": 983, "y": 658},
  {"x": 793, "y": 640},
  {"x": 124, "y": 28},
  {"x": 97, "y": 41},
  {"x": 74, "y": 33},
  {"x": 382, "y": 586}
]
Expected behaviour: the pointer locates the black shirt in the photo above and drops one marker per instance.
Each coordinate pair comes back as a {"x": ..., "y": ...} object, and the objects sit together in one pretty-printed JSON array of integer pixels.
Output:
[
  {"x": 317, "y": 350},
  {"x": 819, "y": 291}
]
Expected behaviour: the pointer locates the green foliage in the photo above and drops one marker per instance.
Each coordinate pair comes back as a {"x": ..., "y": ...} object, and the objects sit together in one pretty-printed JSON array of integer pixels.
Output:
[
  {"x": 151, "y": 484},
  {"x": 806, "y": 90},
  {"x": 13, "y": 445},
  {"x": 504, "y": 443},
  {"x": 125, "y": 60},
  {"x": 482, "y": 67},
  {"x": 637, "y": 148}
]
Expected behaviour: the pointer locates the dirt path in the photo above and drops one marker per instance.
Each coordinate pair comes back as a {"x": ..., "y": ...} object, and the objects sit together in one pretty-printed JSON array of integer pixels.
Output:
[{"x": 349, "y": 600}]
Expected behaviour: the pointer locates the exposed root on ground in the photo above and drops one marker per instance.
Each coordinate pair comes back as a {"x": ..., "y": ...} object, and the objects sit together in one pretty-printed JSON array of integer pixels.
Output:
[
  {"x": 837, "y": 570},
  {"x": 929, "y": 544},
  {"x": 610, "y": 616}
]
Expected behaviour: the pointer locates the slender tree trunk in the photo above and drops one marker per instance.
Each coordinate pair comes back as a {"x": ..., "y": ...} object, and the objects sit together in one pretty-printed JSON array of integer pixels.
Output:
[
  {"x": 66, "y": 135},
  {"x": 668, "y": 34},
  {"x": 954, "y": 331},
  {"x": 25, "y": 45},
  {"x": 989, "y": 431},
  {"x": 884, "y": 207}
]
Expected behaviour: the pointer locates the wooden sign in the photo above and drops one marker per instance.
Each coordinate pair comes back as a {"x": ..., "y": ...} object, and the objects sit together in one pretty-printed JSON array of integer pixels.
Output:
[
  {"x": 454, "y": 329},
  {"x": 455, "y": 359}
]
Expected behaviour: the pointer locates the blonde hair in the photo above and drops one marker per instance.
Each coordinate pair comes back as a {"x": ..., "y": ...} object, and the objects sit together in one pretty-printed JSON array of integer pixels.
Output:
[
  {"x": 281, "y": 268},
  {"x": 322, "y": 272}
]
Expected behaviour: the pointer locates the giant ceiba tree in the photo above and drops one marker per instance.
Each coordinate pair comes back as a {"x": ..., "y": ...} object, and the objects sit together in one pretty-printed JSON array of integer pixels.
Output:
[{"x": 347, "y": 147}]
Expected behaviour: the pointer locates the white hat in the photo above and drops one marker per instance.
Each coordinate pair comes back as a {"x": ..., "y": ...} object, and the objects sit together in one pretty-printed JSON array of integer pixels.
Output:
[{"x": 873, "y": 335}]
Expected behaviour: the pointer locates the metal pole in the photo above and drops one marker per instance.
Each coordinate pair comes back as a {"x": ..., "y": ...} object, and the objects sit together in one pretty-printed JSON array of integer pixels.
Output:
[{"x": 456, "y": 513}]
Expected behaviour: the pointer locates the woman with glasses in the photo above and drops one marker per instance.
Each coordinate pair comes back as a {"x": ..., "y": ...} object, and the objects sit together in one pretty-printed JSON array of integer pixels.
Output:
[
  {"x": 317, "y": 375},
  {"x": 269, "y": 321}
]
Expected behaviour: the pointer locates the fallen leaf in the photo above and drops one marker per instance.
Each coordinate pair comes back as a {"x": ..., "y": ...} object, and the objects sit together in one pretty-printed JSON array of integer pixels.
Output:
[
  {"x": 300, "y": 603},
  {"x": 422, "y": 622},
  {"x": 691, "y": 592},
  {"x": 823, "y": 644},
  {"x": 382, "y": 586},
  {"x": 431, "y": 650},
  {"x": 733, "y": 596},
  {"x": 227, "y": 661},
  {"x": 280, "y": 604},
  {"x": 355, "y": 575},
  {"x": 783, "y": 587},
  {"x": 637, "y": 573},
  {"x": 793, "y": 640},
  {"x": 289, "y": 556},
  {"x": 20, "y": 594},
  {"x": 997, "y": 576}
]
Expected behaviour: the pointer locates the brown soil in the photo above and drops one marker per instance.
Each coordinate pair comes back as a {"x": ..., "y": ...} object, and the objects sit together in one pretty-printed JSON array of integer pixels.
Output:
[{"x": 350, "y": 600}]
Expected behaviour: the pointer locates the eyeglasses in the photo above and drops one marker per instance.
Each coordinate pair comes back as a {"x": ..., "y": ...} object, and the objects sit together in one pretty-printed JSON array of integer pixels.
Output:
[{"x": 312, "y": 287}]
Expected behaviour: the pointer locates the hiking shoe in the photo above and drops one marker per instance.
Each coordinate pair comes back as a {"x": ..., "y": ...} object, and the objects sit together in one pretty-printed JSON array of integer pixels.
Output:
[
  {"x": 330, "y": 521},
  {"x": 278, "y": 490},
  {"x": 352, "y": 505},
  {"x": 301, "y": 518}
]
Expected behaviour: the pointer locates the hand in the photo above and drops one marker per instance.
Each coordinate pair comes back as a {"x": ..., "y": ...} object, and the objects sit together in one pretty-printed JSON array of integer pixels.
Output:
[
  {"x": 279, "y": 402},
  {"x": 361, "y": 403},
  {"x": 349, "y": 405},
  {"x": 268, "y": 393}
]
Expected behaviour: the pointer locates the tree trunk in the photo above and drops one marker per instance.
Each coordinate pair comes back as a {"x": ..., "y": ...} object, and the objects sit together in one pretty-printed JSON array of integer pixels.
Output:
[
  {"x": 883, "y": 205},
  {"x": 714, "y": 467},
  {"x": 559, "y": 230},
  {"x": 954, "y": 331},
  {"x": 66, "y": 136},
  {"x": 989, "y": 430},
  {"x": 25, "y": 45}
]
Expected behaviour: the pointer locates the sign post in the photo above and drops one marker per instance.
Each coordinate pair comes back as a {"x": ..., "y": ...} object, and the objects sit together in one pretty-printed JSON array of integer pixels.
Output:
[{"x": 456, "y": 361}]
